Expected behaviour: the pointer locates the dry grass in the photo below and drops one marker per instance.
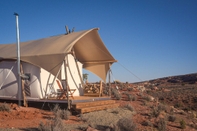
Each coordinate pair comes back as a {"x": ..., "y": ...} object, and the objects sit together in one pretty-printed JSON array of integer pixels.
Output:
[
  {"x": 5, "y": 107},
  {"x": 104, "y": 119}
]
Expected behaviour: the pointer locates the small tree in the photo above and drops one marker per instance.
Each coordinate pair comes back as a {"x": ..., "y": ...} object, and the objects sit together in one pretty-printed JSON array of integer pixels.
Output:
[{"x": 85, "y": 77}]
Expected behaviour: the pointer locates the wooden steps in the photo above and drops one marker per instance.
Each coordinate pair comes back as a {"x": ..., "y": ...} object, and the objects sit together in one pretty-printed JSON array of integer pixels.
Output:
[
  {"x": 91, "y": 94},
  {"x": 85, "y": 107}
]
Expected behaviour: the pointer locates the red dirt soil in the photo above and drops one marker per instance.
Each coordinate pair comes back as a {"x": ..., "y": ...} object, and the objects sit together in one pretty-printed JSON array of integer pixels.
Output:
[{"x": 29, "y": 117}]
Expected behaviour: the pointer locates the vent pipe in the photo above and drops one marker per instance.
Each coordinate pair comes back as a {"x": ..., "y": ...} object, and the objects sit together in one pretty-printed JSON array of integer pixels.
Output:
[{"x": 18, "y": 59}]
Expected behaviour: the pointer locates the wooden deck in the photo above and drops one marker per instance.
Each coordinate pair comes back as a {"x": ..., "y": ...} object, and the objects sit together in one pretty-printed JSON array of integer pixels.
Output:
[
  {"x": 85, "y": 107},
  {"x": 84, "y": 104}
]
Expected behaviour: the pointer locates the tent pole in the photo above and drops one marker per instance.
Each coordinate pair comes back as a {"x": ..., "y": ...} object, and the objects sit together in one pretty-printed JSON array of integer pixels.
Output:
[
  {"x": 66, "y": 78},
  {"x": 109, "y": 83},
  {"x": 18, "y": 60}
]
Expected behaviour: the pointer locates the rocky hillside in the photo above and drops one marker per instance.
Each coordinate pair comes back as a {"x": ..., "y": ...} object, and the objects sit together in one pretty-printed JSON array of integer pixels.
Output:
[{"x": 183, "y": 79}]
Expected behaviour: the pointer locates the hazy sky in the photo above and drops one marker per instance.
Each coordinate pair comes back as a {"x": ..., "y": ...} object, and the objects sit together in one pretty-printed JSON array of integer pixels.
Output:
[{"x": 149, "y": 38}]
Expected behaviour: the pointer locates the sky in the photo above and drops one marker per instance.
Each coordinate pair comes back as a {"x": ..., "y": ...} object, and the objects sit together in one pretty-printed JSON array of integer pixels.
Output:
[{"x": 149, "y": 38}]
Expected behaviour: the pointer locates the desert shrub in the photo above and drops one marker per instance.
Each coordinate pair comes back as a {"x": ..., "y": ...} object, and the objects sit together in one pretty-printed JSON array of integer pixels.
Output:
[
  {"x": 161, "y": 124},
  {"x": 65, "y": 114},
  {"x": 115, "y": 112},
  {"x": 158, "y": 109},
  {"x": 54, "y": 125},
  {"x": 161, "y": 107},
  {"x": 124, "y": 93},
  {"x": 192, "y": 115},
  {"x": 55, "y": 108},
  {"x": 155, "y": 112},
  {"x": 147, "y": 98},
  {"x": 106, "y": 90},
  {"x": 5, "y": 107},
  {"x": 44, "y": 127},
  {"x": 193, "y": 126},
  {"x": 129, "y": 107},
  {"x": 171, "y": 118},
  {"x": 130, "y": 98},
  {"x": 182, "y": 124},
  {"x": 116, "y": 94},
  {"x": 123, "y": 86},
  {"x": 125, "y": 124},
  {"x": 144, "y": 103},
  {"x": 134, "y": 98},
  {"x": 148, "y": 91},
  {"x": 147, "y": 123},
  {"x": 62, "y": 114},
  {"x": 58, "y": 113},
  {"x": 130, "y": 89},
  {"x": 57, "y": 124},
  {"x": 178, "y": 105}
]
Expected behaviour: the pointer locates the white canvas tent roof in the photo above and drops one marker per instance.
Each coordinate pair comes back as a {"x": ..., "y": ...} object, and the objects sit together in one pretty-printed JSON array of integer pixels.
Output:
[{"x": 49, "y": 53}]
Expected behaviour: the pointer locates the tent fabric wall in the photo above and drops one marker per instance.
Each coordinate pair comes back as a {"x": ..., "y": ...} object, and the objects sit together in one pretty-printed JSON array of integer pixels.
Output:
[
  {"x": 41, "y": 83},
  {"x": 49, "y": 53},
  {"x": 8, "y": 79}
]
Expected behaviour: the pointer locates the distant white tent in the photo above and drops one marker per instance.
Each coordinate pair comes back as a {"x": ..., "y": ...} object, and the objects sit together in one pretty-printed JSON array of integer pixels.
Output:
[{"x": 45, "y": 60}]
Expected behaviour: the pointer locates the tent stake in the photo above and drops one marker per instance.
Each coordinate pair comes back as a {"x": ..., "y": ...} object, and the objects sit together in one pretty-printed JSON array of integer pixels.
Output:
[{"x": 18, "y": 60}]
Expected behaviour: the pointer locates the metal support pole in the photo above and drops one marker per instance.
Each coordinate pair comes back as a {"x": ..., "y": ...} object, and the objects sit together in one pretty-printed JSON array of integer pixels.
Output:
[
  {"x": 109, "y": 83},
  {"x": 18, "y": 59},
  {"x": 66, "y": 78}
]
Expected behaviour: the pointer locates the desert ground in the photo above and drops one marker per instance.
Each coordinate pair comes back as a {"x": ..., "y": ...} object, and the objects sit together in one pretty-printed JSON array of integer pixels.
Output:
[{"x": 168, "y": 103}]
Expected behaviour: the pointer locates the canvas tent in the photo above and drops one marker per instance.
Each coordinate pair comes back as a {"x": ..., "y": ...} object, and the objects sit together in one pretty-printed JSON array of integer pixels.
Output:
[{"x": 48, "y": 54}]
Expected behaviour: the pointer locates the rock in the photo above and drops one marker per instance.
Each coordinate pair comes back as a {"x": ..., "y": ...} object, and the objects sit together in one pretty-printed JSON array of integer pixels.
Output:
[{"x": 151, "y": 98}]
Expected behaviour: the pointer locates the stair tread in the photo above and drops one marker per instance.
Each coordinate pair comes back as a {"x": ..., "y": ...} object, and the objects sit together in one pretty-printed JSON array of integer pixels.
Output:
[
  {"x": 97, "y": 108},
  {"x": 94, "y": 103}
]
